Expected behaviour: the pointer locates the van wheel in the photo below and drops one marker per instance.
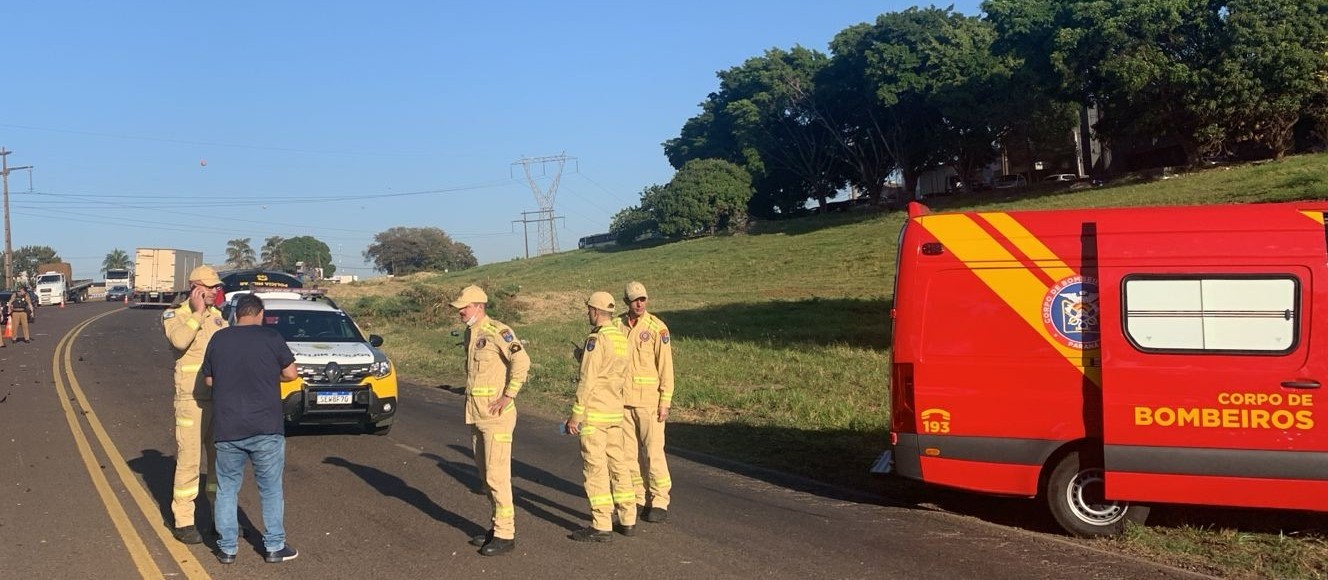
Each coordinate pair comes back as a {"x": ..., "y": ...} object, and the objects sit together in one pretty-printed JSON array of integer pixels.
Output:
[{"x": 1074, "y": 494}]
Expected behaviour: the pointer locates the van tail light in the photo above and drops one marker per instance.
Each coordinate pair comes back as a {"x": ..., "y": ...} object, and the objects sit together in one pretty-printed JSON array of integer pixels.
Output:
[{"x": 902, "y": 418}]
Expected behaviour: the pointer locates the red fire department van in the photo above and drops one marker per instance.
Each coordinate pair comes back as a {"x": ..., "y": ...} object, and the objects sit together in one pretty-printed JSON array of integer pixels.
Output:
[{"x": 1105, "y": 359}]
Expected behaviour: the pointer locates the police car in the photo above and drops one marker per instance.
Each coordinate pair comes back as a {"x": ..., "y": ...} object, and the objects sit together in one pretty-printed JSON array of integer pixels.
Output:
[{"x": 344, "y": 379}]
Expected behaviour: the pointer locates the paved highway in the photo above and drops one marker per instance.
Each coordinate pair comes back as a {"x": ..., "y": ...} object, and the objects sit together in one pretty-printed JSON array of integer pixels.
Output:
[{"x": 86, "y": 456}]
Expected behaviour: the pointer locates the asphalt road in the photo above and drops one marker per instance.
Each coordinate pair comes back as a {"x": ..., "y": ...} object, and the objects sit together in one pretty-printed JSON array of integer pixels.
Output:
[{"x": 86, "y": 457}]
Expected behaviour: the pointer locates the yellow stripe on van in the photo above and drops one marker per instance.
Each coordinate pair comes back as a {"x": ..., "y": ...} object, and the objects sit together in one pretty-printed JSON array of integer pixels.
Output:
[
  {"x": 1314, "y": 215},
  {"x": 1032, "y": 247},
  {"x": 1021, "y": 290}
]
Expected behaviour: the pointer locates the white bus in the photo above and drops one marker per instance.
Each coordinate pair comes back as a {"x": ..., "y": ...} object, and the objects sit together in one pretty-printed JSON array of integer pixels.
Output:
[{"x": 597, "y": 240}]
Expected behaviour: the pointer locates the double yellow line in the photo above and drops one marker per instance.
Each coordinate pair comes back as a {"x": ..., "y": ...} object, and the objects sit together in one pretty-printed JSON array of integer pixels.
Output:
[{"x": 143, "y": 560}]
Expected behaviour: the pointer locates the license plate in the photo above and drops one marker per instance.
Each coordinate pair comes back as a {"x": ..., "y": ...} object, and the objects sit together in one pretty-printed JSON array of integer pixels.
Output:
[{"x": 338, "y": 398}]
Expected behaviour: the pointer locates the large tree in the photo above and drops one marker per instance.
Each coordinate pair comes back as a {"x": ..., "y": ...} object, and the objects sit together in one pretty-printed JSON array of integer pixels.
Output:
[
  {"x": 117, "y": 259},
  {"x": 634, "y": 222},
  {"x": 763, "y": 118},
  {"x": 1272, "y": 69},
  {"x": 27, "y": 258},
  {"x": 1147, "y": 66},
  {"x": 309, "y": 250},
  {"x": 271, "y": 254},
  {"x": 239, "y": 254},
  {"x": 704, "y": 197},
  {"x": 901, "y": 90},
  {"x": 403, "y": 250}
]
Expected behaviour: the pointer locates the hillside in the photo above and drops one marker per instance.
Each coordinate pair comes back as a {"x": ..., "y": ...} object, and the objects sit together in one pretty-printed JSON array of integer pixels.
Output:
[
  {"x": 780, "y": 332},
  {"x": 781, "y": 335}
]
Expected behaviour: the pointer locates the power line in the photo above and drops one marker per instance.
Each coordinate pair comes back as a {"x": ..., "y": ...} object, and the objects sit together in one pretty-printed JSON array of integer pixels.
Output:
[{"x": 214, "y": 143}]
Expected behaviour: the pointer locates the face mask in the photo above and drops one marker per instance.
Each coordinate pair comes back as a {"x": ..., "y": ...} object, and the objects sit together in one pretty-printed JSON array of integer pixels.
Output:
[{"x": 471, "y": 320}]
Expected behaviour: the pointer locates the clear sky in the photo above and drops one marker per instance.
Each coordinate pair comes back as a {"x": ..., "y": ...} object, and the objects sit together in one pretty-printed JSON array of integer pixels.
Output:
[{"x": 187, "y": 124}]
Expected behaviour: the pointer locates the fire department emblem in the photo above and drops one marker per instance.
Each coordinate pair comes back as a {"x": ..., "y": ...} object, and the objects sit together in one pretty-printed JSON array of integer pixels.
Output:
[
  {"x": 1070, "y": 312},
  {"x": 645, "y": 335}
]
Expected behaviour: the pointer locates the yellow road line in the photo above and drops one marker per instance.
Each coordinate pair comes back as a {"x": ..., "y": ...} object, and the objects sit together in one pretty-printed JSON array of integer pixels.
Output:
[{"x": 182, "y": 556}]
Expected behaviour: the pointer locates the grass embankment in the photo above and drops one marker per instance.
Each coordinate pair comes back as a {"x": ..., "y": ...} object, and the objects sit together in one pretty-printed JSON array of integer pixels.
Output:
[{"x": 781, "y": 341}]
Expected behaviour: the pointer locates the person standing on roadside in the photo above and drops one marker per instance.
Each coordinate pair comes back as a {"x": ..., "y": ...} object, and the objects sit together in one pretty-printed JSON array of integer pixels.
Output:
[
  {"x": 244, "y": 365},
  {"x": 4, "y": 320},
  {"x": 496, "y": 368},
  {"x": 189, "y": 327},
  {"x": 20, "y": 308},
  {"x": 597, "y": 417},
  {"x": 649, "y": 396}
]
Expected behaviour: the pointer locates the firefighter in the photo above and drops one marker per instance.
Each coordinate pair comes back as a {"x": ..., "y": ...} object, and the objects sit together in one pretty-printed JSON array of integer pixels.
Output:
[
  {"x": 189, "y": 326},
  {"x": 496, "y": 367},
  {"x": 648, "y": 398},
  {"x": 20, "y": 308},
  {"x": 597, "y": 417}
]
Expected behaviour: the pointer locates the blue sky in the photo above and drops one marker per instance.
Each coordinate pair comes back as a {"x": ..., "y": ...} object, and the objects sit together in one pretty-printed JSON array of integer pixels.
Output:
[{"x": 340, "y": 120}]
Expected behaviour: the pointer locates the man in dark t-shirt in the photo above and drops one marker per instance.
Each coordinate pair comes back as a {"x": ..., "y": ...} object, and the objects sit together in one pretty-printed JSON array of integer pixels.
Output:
[{"x": 245, "y": 364}]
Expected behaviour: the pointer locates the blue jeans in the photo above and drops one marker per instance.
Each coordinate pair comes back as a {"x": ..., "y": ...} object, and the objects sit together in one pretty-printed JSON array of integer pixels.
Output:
[{"x": 268, "y": 454}]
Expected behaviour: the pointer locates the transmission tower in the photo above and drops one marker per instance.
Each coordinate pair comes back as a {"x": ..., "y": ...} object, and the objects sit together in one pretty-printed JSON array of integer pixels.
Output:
[{"x": 548, "y": 235}]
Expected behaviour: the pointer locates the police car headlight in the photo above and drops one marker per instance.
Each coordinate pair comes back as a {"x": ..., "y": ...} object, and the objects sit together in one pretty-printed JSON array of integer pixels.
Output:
[{"x": 381, "y": 368}]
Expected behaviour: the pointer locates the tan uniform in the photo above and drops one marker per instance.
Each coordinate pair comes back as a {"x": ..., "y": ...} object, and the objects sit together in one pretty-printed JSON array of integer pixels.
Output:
[
  {"x": 496, "y": 365},
  {"x": 599, "y": 410},
  {"x": 651, "y": 387},
  {"x": 190, "y": 333},
  {"x": 21, "y": 309}
]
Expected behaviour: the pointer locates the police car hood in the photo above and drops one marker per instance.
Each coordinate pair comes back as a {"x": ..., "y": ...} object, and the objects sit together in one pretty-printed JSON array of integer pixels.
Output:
[{"x": 342, "y": 353}]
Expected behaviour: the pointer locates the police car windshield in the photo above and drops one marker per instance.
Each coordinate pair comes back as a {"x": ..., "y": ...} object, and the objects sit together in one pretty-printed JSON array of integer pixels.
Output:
[{"x": 312, "y": 326}]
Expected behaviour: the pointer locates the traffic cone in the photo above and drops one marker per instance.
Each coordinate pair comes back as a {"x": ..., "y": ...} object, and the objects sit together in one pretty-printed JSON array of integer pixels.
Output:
[
  {"x": 126, "y": 299},
  {"x": 9, "y": 328},
  {"x": 62, "y": 304}
]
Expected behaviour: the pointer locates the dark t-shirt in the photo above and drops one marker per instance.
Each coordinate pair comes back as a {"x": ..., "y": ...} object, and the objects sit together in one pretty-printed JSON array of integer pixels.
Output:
[{"x": 245, "y": 364}]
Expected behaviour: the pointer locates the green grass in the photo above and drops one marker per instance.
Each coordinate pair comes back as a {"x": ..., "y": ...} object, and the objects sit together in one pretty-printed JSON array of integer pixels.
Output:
[{"x": 781, "y": 337}]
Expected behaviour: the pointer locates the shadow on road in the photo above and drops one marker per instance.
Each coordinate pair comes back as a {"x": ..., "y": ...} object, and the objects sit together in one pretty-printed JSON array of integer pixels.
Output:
[
  {"x": 393, "y": 486},
  {"x": 829, "y": 463},
  {"x": 158, "y": 472},
  {"x": 536, "y": 504}
]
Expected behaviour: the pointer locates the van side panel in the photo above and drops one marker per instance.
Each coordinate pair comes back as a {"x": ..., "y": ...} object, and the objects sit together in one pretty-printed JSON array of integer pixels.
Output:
[
  {"x": 1189, "y": 489},
  {"x": 1011, "y": 328}
]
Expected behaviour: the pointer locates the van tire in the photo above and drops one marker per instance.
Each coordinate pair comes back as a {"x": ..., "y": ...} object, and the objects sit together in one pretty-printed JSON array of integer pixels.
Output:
[{"x": 1074, "y": 495}]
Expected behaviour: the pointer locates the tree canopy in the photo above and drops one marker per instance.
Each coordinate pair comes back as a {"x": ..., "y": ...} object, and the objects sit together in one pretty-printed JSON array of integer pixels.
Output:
[
  {"x": 239, "y": 254},
  {"x": 26, "y": 258},
  {"x": 406, "y": 250},
  {"x": 272, "y": 256},
  {"x": 924, "y": 88},
  {"x": 704, "y": 197},
  {"x": 117, "y": 259},
  {"x": 309, "y": 250}
]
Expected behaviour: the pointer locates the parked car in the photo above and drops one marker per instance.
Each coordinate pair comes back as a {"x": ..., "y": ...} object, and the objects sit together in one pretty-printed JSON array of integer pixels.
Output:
[
  {"x": 117, "y": 293},
  {"x": 1062, "y": 177},
  {"x": 1009, "y": 181},
  {"x": 344, "y": 379}
]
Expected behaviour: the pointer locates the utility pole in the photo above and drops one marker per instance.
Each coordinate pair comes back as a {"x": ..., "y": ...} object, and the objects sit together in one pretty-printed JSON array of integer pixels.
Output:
[
  {"x": 525, "y": 220},
  {"x": 9, "y": 248},
  {"x": 548, "y": 235}
]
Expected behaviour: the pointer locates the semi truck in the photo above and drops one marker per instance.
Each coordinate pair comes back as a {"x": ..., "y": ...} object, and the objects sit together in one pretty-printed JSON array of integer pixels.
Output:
[
  {"x": 119, "y": 277},
  {"x": 162, "y": 274},
  {"x": 56, "y": 285}
]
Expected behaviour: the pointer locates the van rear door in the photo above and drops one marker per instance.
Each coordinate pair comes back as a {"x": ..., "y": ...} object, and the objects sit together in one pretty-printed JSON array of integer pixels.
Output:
[{"x": 1212, "y": 359}]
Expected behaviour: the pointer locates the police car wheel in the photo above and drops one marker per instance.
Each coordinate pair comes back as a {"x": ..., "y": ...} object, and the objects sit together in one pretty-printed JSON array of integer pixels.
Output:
[{"x": 1074, "y": 494}]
